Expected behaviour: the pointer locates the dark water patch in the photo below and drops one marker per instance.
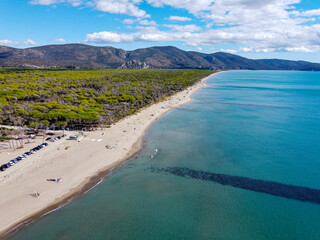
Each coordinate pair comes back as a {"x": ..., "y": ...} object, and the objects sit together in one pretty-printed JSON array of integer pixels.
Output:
[
  {"x": 245, "y": 104},
  {"x": 303, "y": 194}
]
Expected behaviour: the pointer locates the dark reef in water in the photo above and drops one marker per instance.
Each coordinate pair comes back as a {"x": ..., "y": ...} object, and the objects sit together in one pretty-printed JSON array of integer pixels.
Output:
[{"x": 304, "y": 194}]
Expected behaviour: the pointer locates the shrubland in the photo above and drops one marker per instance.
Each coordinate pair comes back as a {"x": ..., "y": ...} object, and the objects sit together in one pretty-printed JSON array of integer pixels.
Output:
[{"x": 84, "y": 98}]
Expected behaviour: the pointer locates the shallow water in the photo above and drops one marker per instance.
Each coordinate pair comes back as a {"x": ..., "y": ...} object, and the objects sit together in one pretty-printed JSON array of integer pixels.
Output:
[{"x": 257, "y": 125}]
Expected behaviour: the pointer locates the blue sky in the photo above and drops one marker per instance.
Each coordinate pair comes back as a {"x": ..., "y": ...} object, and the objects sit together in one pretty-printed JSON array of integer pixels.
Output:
[{"x": 287, "y": 29}]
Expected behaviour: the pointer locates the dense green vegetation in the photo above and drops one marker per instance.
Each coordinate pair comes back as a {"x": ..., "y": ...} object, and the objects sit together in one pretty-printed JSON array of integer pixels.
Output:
[{"x": 82, "y": 98}]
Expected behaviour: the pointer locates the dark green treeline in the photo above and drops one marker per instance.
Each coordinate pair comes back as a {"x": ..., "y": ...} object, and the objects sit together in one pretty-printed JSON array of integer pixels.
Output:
[{"x": 82, "y": 98}]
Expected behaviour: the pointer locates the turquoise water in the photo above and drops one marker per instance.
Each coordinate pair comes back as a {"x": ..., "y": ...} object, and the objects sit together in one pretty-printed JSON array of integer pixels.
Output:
[{"x": 261, "y": 125}]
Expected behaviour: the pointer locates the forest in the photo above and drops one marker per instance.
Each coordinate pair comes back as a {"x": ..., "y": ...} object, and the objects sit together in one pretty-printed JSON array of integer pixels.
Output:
[{"x": 77, "y": 99}]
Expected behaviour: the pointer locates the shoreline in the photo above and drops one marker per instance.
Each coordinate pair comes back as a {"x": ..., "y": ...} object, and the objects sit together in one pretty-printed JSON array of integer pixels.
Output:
[{"x": 128, "y": 144}]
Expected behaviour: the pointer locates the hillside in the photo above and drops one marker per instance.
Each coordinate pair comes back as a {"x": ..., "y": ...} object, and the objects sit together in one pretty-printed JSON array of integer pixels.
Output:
[{"x": 86, "y": 56}]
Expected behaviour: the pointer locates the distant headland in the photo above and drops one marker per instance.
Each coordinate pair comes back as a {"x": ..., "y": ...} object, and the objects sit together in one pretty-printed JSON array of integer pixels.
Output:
[{"x": 86, "y": 56}]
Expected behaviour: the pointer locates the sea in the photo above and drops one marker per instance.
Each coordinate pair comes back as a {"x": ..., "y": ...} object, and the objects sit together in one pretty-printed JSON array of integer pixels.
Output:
[{"x": 239, "y": 162}]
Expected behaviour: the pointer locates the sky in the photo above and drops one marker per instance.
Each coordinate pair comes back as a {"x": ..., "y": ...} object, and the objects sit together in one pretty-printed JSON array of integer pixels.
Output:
[{"x": 287, "y": 29}]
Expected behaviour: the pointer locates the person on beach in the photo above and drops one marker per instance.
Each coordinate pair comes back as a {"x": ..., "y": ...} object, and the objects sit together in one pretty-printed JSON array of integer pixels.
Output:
[{"x": 56, "y": 180}]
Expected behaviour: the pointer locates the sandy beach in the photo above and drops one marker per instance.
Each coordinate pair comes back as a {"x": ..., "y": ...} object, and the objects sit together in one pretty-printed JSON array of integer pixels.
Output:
[{"x": 25, "y": 192}]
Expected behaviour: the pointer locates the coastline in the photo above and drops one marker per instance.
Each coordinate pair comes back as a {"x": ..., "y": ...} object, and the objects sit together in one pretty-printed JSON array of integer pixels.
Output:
[{"x": 81, "y": 165}]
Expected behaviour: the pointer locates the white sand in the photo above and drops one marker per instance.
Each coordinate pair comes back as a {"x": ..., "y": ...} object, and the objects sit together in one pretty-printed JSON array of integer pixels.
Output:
[{"x": 75, "y": 165}]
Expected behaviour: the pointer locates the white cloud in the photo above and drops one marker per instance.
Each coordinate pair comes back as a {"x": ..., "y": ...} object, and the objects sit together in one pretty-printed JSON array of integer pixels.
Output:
[
  {"x": 257, "y": 25},
  {"x": 127, "y": 7},
  {"x": 300, "y": 49},
  {"x": 6, "y": 42},
  {"x": 256, "y": 50},
  {"x": 10, "y": 43},
  {"x": 29, "y": 42},
  {"x": 45, "y": 2},
  {"x": 109, "y": 37},
  {"x": 146, "y": 34},
  {"x": 178, "y": 18},
  {"x": 144, "y": 22},
  {"x": 59, "y": 40},
  {"x": 233, "y": 51},
  {"x": 147, "y": 22},
  {"x": 129, "y": 21},
  {"x": 308, "y": 13},
  {"x": 272, "y": 50},
  {"x": 191, "y": 44},
  {"x": 293, "y": 39},
  {"x": 74, "y": 3},
  {"x": 184, "y": 28},
  {"x": 193, "y": 6}
]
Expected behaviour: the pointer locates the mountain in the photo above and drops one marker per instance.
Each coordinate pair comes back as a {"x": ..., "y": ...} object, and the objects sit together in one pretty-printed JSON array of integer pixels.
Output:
[{"x": 86, "y": 56}]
